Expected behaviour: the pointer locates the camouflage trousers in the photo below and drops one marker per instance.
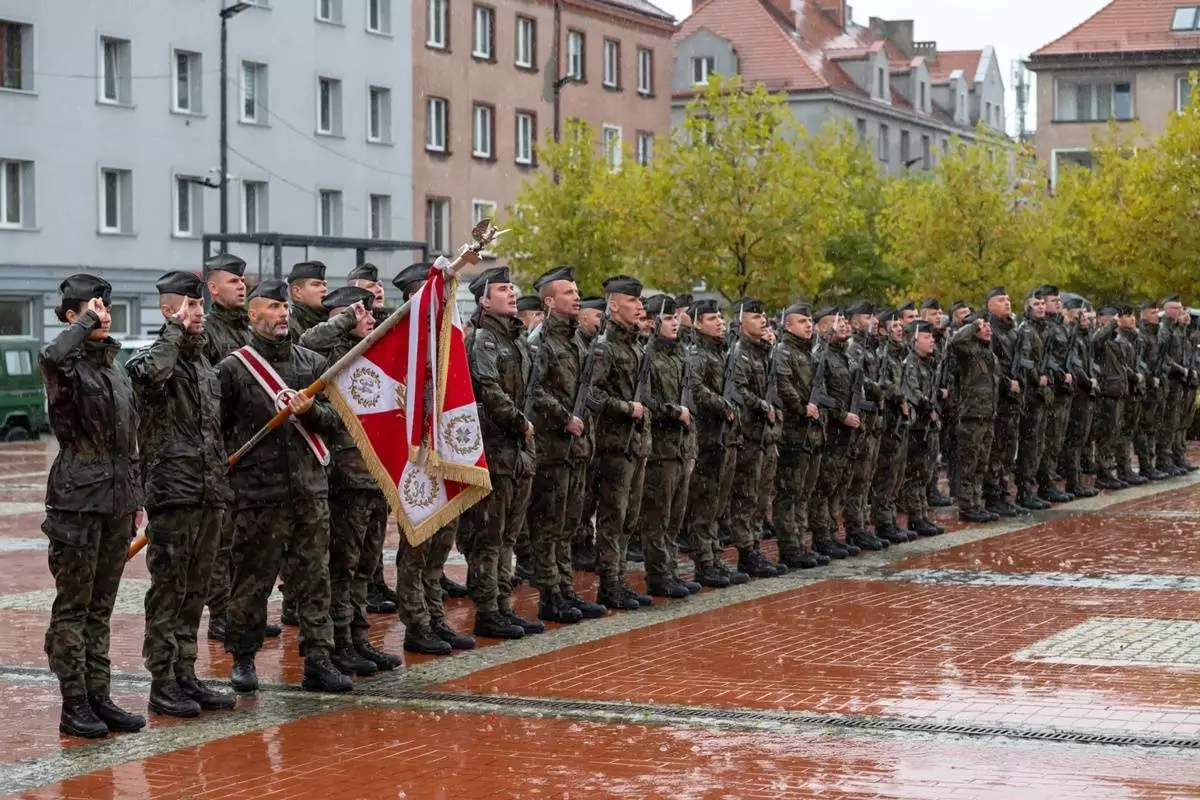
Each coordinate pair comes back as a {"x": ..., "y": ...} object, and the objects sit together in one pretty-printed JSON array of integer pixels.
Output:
[
  {"x": 1110, "y": 417},
  {"x": 795, "y": 480},
  {"x": 914, "y": 499},
  {"x": 934, "y": 454},
  {"x": 549, "y": 532},
  {"x": 948, "y": 443},
  {"x": 974, "y": 442},
  {"x": 521, "y": 547},
  {"x": 1006, "y": 433},
  {"x": 633, "y": 515},
  {"x": 1131, "y": 420},
  {"x": 585, "y": 528},
  {"x": 745, "y": 519},
  {"x": 183, "y": 544},
  {"x": 293, "y": 539},
  {"x": 1143, "y": 437},
  {"x": 359, "y": 521},
  {"x": 826, "y": 501},
  {"x": 490, "y": 552},
  {"x": 419, "y": 572},
  {"x": 711, "y": 485},
  {"x": 577, "y": 498},
  {"x": 664, "y": 477},
  {"x": 1058, "y": 416},
  {"x": 1079, "y": 432},
  {"x": 222, "y": 569},
  {"x": 87, "y": 557},
  {"x": 890, "y": 466},
  {"x": 1171, "y": 423},
  {"x": 856, "y": 507},
  {"x": 766, "y": 491},
  {"x": 679, "y": 505},
  {"x": 614, "y": 489},
  {"x": 470, "y": 521},
  {"x": 1029, "y": 450}
]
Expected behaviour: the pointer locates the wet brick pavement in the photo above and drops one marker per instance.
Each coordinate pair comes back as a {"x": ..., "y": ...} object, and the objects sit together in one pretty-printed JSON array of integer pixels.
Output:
[{"x": 949, "y": 667}]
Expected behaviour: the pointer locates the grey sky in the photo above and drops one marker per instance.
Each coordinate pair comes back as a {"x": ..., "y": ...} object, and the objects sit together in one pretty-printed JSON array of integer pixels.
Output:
[{"x": 1015, "y": 27}]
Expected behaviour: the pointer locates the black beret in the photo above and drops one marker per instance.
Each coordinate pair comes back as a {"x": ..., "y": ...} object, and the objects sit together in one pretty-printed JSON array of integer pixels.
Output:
[
  {"x": 859, "y": 307},
  {"x": 975, "y": 316},
  {"x": 226, "y": 262},
  {"x": 270, "y": 289},
  {"x": 909, "y": 306},
  {"x": 1072, "y": 301},
  {"x": 749, "y": 305},
  {"x": 683, "y": 300},
  {"x": 996, "y": 291},
  {"x": 486, "y": 278},
  {"x": 660, "y": 304},
  {"x": 803, "y": 309},
  {"x": 888, "y": 315},
  {"x": 1171, "y": 298},
  {"x": 305, "y": 270},
  {"x": 414, "y": 273},
  {"x": 1107, "y": 311},
  {"x": 623, "y": 284},
  {"x": 556, "y": 274},
  {"x": 529, "y": 302},
  {"x": 920, "y": 326},
  {"x": 180, "y": 282},
  {"x": 708, "y": 306},
  {"x": 1048, "y": 290},
  {"x": 81, "y": 287},
  {"x": 828, "y": 311},
  {"x": 1147, "y": 304},
  {"x": 347, "y": 296},
  {"x": 931, "y": 303},
  {"x": 364, "y": 272},
  {"x": 594, "y": 303},
  {"x": 957, "y": 305},
  {"x": 1036, "y": 292}
]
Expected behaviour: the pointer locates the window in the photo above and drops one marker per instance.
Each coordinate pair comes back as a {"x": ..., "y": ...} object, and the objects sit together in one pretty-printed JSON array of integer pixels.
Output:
[
  {"x": 187, "y": 82},
  {"x": 329, "y": 106},
  {"x": 905, "y": 148},
  {"x": 16, "y": 319},
  {"x": 926, "y": 152},
  {"x": 924, "y": 106},
  {"x": 485, "y": 30},
  {"x": 481, "y": 210},
  {"x": 437, "y": 27},
  {"x": 526, "y": 126},
  {"x": 526, "y": 42},
  {"x": 189, "y": 206},
  {"x": 482, "y": 131},
  {"x": 331, "y": 212},
  {"x": 612, "y": 64},
  {"x": 116, "y": 201},
  {"x": 645, "y": 148},
  {"x": 1093, "y": 102},
  {"x": 119, "y": 311},
  {"x": 16, "y": 55},
  {"x": 1072, "y": 158},
  {"x": 17, "y": 362},
  {"x": 1185, "y": 93},
  {"x": 645, "y": 84},
  {"x": 16, "y": 194},
  {"x": 435, "y": 124},
  {"x": 885, "y": 142},
  {"x": 115, "y": 60},
  {"x": 861, "y": 126},
  {"x": 379, "y": 114},
  {"x": 380, "y": 221},
  {"x": 254, "y": 207},
  {"x": 576, "y": 55},
  {"x": 379, "y": 16},
  {"x": 702, "y": 68},
  {"x": 612, "y": 146},
  {"x": 254, "y": 93},
  {"x": 880, "y": 83},
  {"x": 1185, "y": 19},
  {"x": 437, "y": 222},
  {"x": 329, "y": 11}
]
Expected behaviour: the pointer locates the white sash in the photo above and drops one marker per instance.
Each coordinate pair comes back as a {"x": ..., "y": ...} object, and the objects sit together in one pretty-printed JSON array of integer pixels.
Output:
[{"x": 280, "y": 393}]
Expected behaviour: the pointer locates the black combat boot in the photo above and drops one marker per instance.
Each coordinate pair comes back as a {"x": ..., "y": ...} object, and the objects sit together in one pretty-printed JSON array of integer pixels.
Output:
[
  {"x": 612, "y": 597},
  {"x": 271, "y": 630},
  {"x": 924, "y": 527},
  {"x": 168, "y": 698},
  {"x": 711, "y": 577},
  {"x": 1079, "y": 490},
  {"x": 377, "y": 602},
  {"x": 668, "y": 588},
  {"x": 736, "y": 576},
  {"x": 1185, "y": 465},
  {"x": 495, "y": 625},
  {"x": 320, "y": 675},
  {"x": 216, "y": 628},
  {"x": 116, "y": 718},
  {"x": 751, "y": 562},
  {"x": 802, "y": 560},
  {"x": 850, "y": 547},
  {"x": 552, "y": 608},
  {"x": 386, "y": 662},
  {"x": 976, "y": 515},
  {"x": 78, "y": 719},
  {"x": 588, "y": 609},
  {"x": 831, "y": 549},
  {"x": 421, "y": 639},
  {"x": 290, "y": 615},
  {"x": 1053, "y": 495},
  {"x": 890, "y": 533},
  {"x": 529, "y": 626},
  {"x": 693, "y": 587},
  {"x": 349, "y": 662},
  {"x": 456, "y": 640},
  {"x": 864, "y": 541},
  {"x": 208, "y": 698},
  {"x": 1106, "y": 481},
  {"x": 639, "y": 597},
  {"x": 244, "y": 677},
  {"x": 453, "y": 588},
  {"x": 938, "y": 500},
  {"x": 1132, "y": 478},
  {"x": 1152, "y": 473}
]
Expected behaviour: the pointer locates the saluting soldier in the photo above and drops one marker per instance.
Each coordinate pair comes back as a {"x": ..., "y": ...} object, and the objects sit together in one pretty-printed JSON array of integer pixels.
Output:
[
  {"x": 1011, "y": 349},
  {"x": 977, "y": 381},
  {"x": 366, "y": 276},
  {"x": 863, "y": 351},
  {"x": 922, "y": 368}
]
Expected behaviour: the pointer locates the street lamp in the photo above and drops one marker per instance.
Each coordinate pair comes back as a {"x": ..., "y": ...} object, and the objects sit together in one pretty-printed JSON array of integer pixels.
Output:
[{"x": 225, "y": 13}]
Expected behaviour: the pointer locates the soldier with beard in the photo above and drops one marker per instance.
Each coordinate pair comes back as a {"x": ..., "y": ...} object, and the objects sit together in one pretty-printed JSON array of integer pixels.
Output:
[{"x": 863, "y": 352}]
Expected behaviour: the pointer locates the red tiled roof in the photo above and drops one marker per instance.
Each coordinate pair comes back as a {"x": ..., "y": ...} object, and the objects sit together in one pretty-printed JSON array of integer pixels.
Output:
[
  {"x": 1125, "y": 26},
  {"x": 948, "y": 61}
]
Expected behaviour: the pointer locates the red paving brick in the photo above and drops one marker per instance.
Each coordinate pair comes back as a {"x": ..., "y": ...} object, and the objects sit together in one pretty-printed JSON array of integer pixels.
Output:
[
  {"x": 1185, "y": 499},
  {"x": 393, "y": 753}
]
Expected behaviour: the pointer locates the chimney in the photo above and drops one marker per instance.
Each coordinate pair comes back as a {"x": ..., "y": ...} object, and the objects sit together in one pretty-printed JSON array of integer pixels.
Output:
[{"x": 836, "y": 10}]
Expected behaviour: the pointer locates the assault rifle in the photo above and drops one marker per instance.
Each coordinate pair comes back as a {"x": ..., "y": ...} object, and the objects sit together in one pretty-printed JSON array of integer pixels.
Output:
[
  {"x": 685, "y": 392},
  {"x": 939, "y": 378},
  {"x": 641, "y": 392},
  {"x": 1020, "y": 364},
  {"x": 583, "y": 391},
  {"x": 729, "y": 393},
  {"x": 858, "y": 404},
  {"x": 819, "y": 394},
  {"x": 772, "y": 394},
  {"x": 903, "y": 420}
]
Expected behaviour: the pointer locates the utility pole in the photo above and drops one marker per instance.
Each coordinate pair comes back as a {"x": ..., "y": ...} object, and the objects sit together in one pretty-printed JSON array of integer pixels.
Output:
[
  {"x": 557, "y": 79},
  {"x": 223, "y": 179}
]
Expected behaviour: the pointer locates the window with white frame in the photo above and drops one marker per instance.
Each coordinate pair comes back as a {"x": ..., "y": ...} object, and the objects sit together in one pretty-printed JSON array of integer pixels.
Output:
[
  {"x": 612, "y": 64},
  {"x": 120, "y": 317},
  {"x": 526, "y": 42},
  {"x": 379, "y": 114},
  {"x": 16, "y": 55},
  {"x": 1093, "y": 101},
  {"x": 189, "y": 206},
  {"x": 16, "y": 319},
  {"x": 188, "y": 84},
  {"x": 645, "y": 148},
  {"x": 1186, "y": 18},
  {"x": 16, "y": 194},
  {"x": 526, "y": 125},
  {"x": 329, "y": 11},
  {"x": 379, "y": 16},
  {"x": 254, "y": 93},
  {"x": 437, "y": 23},
  {"x": 116, "y": 200},
  {"x": 116, "y": 59},
  {"x": 885, "y": 142},
  {"x": 329, "y": 106},
  {"x": 1184, "y": 97},
  {"x": 702, "y": 68},
  {"x": 436, "y": 120},
  {"x": 481, "y": 210},
  {"x": 379, "y": 223},
  {"x": 254, "y": 207},
  {"x": 612, "y": 146},
  {"x": 645, "y": 84},
  {"x": 437, "y": 223},
  {"x": 485, "y": 33},
  {"x": 576, "y": 55},
  {"x": 330, "y": 201},
  {"x": 482, "y": 131},
  {"x": 1077, "y": 158}
]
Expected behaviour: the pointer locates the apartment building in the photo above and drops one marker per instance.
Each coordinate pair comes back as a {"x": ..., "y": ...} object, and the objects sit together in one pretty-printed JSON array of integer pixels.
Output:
[
  {"x": 483, "y": 73},
  {"x": 905, "y": 98},
  {"x": 109, "y": 139},
  {"x": 1128, "y": 64}
]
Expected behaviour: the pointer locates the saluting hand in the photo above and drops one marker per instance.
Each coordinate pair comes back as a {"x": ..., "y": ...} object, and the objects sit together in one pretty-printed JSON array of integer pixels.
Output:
[{"x": 97, "y": 307}]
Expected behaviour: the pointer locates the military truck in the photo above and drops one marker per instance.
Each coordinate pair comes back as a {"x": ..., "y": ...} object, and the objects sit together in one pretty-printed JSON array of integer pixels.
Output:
[{"x": 22, "y": 396}]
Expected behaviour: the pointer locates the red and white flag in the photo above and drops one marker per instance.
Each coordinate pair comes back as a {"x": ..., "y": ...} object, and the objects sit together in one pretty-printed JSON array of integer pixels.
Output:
[{"x": 408, "y": 403}]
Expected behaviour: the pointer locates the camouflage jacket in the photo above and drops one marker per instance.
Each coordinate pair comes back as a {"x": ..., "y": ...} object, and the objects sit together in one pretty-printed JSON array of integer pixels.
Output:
[
  {"x": 1079, "y": 359},
  {"x": 583, "y": 447},
  {"x": 921, "y": 372},
  {"x": 301, "y": 318},
  {"x": 282, "y": 465},
  {"x": 751, "y": 378},
  {"x": 839, "y": 378},
  {"x": 978, "y": 379},
  {"x": 1114, "y": 360},
  {"x": 1034, "y": 332},
  {"x": 1140, "y": 376},
  {"x": 669, "y": 434},
  {"x": 1005, "y": 338},
  {"x": 794, "y": 367},
  {"x": 559, "y": 364},
  {"x": 614, "y": 379},
  {"x": 864, "y": 353},
  {"x": 315, "y": 331},
  {"x": 178, "y": 398},
  {"x": 225, "y": 330},
  {"x": 1055, "y": 339},
  {"x": 91, "y": 408},
  {"x": 891, "y": 370},
  {"x": 1173, "y": 346},
  {"x": 499, "y": 370},
  {"x": 708, "y": 375},
  {"x": 1149, "y": 347}
]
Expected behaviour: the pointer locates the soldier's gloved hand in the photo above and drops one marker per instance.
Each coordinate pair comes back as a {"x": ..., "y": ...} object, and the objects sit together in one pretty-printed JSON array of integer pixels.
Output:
[
  {"x": 575, "y": 427},
  {"x": 851, "y": 421}
]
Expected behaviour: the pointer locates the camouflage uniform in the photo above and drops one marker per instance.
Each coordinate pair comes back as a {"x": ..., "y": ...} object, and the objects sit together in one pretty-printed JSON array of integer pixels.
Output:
[
  {"x": 976, "y": 370},
  {"x": 800, "y": 444},
  {"x": 1007, "y": 428},
  {"x": 914, "y": 499},
  {"x": 664, "y": 469},
  {"x": 179, "y": 406},
  {"x": 1079, "y": 428},
  {"x": 582, "y": 506},
  {"x": 1038, "y": 400},
  {"x": 92, "y": 492},
  {"x": 1152, "y": 402},
  {"x": 1173, "y": 348},
  {"x": 717, "y": 442},
  {"x": 1131, "y": 413},
  {"x": 1058, "y": 413},
  {"x": 751, "y": 380},
  {"x": 1114, "y": 363},
  {"x": 862, "y": 351},
  {"x": 419, "y": 573},
  {"x": 893, "y": 438},
  {"x": 825, "y": 503}
]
